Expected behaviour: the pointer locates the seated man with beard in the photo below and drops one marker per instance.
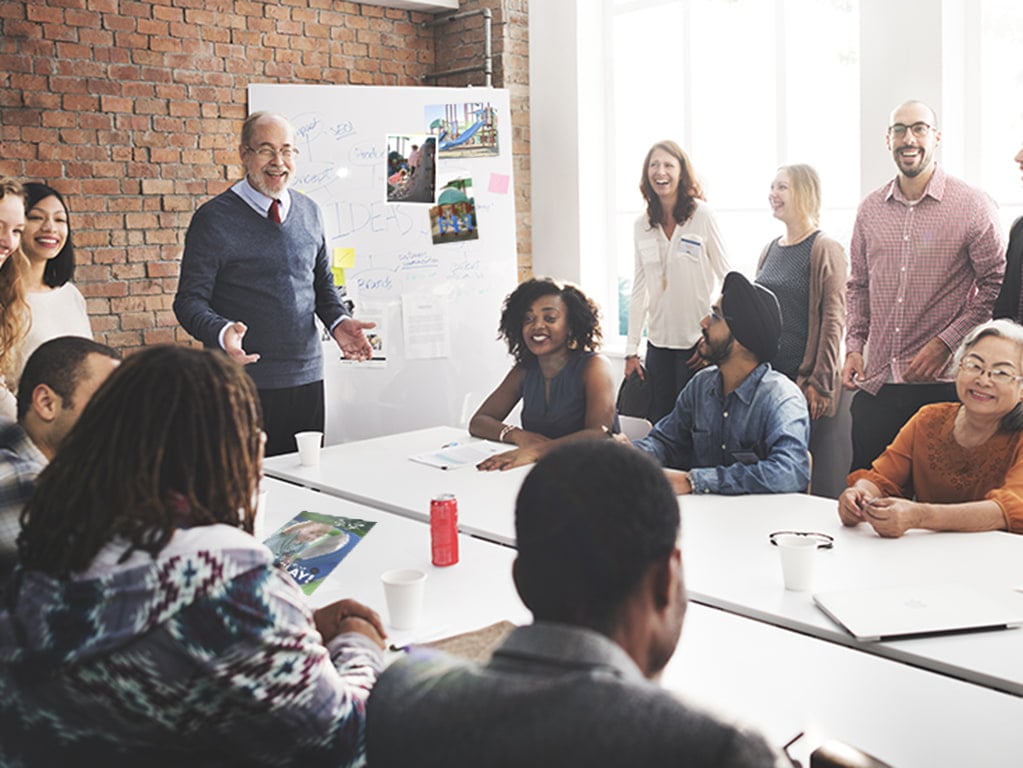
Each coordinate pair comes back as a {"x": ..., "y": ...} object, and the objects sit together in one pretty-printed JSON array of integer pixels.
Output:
[{"x": 738, "y": 426}]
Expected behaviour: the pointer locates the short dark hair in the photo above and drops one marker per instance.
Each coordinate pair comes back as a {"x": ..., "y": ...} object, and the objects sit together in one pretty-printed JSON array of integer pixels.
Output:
[
  {"x": 583, "y": 315},
  {"x": 58, "y": 363},
  {"x": 590, "y": 519},
  {"x": 61, "y": 267}
]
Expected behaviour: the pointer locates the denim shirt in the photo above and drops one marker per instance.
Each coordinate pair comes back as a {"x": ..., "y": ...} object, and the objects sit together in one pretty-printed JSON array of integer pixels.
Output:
[{"x": 752, "y": 441}]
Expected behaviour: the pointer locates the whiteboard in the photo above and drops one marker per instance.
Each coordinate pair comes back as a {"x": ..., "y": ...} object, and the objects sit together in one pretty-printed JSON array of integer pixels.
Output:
[{"x": 343, "y": 134}]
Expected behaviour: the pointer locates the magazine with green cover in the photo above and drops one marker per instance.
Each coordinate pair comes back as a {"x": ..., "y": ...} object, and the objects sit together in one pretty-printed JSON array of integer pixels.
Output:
[{"x": 311, "y": 544}]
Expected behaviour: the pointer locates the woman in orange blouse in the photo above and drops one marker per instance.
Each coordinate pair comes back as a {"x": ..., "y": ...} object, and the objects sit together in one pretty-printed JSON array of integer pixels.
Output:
[{"x": 954, "y": 466}]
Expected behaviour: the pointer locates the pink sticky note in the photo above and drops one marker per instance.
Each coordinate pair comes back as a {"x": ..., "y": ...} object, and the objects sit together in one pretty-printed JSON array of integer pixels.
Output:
[{"x": 498, "y": 183}]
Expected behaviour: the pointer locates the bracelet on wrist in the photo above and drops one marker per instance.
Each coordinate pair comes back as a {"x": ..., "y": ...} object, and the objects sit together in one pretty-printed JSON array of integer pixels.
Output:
[{"x": 504, "y": 432}]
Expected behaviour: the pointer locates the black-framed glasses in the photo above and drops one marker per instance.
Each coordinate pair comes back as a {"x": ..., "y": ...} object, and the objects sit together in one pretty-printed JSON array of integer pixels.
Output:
[
  {"x": 919, "y": 129},
  {"x": 824, "y": 540},
  {"x": 269, "y": 153}
]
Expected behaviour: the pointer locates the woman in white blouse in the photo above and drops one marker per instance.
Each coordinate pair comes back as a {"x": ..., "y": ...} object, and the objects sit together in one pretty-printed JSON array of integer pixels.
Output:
[
  {"x": 57, "y": 307},
  {"x": 680, "y": 263}
]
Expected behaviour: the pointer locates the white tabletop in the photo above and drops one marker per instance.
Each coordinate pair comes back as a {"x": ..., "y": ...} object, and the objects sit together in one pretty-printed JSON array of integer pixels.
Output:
[
  {"x": 379, "y": 473},
  {"x": 781, "y": 683},
  {"x": 730, "y": 564},
  {"x": 473, "y": 593}
]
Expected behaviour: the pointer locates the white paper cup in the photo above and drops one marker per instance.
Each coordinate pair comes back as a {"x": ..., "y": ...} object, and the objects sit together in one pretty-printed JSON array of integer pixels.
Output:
[
  {"x": 798, "y": 554},
  {"x": 403, "y": 588},
  {"x": 309, "y": 448}
]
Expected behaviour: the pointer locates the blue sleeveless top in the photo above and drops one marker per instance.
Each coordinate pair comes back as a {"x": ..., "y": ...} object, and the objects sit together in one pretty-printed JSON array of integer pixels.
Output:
[{"x": 566, "y": 411}]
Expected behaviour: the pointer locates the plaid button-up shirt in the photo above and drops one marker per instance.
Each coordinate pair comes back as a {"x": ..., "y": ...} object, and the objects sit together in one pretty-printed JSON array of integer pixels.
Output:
[
  {"x": 919, "y": 271},
  {"x": 20, "y": 462}
]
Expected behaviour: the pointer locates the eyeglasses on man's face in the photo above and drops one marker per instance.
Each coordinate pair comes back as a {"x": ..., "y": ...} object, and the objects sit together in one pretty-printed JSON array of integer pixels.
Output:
[
  {"x": 997, "y": 375},
  {"x": 269, "y": 153},
  {"x": 919, "y": 129}
]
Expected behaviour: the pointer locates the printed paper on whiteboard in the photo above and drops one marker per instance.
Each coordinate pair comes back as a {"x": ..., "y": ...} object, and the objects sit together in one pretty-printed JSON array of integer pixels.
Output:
[
  {"x": 427, "y": 326},
  {"x": 372, "y": 312}
]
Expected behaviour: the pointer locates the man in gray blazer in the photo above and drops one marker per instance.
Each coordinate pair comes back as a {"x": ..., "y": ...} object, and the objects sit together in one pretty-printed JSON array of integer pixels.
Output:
[{"x": 600, "y": 568}]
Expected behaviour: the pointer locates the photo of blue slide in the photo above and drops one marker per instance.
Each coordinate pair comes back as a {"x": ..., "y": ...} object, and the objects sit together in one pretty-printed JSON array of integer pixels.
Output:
[{"x": 463, "y": 137}]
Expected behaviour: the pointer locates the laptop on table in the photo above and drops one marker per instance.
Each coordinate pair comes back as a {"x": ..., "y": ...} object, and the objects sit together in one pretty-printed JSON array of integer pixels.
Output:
[{"x": 890, "y": 613}]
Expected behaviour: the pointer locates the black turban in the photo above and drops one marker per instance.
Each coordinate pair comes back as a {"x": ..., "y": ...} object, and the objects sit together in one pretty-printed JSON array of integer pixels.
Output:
[{"x": 752, "y": 314}]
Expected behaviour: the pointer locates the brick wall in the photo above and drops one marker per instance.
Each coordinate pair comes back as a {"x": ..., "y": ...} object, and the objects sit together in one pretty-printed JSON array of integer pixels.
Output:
[{"x": 132, "y": 109}]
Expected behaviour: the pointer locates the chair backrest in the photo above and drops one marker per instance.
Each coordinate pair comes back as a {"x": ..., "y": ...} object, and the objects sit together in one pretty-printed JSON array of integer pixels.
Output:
[{"x": 634, "y": 427}]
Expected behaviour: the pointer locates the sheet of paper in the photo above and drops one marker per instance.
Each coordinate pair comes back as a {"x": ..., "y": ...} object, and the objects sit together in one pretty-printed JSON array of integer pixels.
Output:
[
  {"x": 427, "y": 326},
  {"x": 458, "y": 455}
]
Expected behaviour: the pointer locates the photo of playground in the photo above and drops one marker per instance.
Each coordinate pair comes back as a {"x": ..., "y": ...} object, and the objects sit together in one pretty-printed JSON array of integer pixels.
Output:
[
  {"x": 453, "y": 219},
  {"x": 463, "y": 130},
  {"x": 411, "y": 168}
]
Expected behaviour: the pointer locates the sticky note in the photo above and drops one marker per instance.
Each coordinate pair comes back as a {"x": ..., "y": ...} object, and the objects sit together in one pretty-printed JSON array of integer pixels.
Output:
[
  {"x": 498, "y": 183},
  {"x": 343, "y": 258},
  {"x": 339, "y": 275}
]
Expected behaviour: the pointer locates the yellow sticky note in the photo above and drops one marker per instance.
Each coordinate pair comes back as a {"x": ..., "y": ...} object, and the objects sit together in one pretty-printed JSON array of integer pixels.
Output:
[
  {"x": 344, "y": 258},
  {"x": 339, "y": 275}
]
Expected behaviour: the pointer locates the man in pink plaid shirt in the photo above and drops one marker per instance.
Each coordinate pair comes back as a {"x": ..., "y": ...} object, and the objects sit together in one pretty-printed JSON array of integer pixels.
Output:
[{"x": 927, "y": 259}]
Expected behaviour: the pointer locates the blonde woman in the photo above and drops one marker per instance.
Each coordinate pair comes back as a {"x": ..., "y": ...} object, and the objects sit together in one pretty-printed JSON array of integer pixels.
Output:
[
  {"x": 807, "y": 271},
  {"x": 13, "y": 265}
]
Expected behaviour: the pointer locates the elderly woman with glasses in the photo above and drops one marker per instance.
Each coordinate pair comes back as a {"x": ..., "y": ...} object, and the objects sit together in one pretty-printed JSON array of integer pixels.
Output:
[{"x": 954, "y": 466}]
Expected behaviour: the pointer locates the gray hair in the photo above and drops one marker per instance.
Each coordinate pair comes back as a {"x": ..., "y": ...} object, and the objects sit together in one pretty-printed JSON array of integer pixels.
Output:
[{"x": 1003, "y": 329}]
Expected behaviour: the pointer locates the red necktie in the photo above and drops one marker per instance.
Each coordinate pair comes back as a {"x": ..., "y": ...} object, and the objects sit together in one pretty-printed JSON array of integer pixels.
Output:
[{"x": 275, "y": 212}]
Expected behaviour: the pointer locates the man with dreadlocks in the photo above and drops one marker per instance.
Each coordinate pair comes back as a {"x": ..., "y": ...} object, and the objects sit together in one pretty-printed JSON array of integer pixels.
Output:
[{"x": 144, "y": 625}]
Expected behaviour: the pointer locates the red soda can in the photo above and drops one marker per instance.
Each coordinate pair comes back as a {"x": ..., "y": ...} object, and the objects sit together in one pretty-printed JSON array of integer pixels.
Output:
[{"x": 444, "y": 529}]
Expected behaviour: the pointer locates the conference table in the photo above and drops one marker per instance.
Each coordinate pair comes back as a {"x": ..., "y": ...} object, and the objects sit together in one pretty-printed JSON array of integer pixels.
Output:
[
  {"x": 782, "y": 683},
  {"x": 731, "y": 564},
  {"x": 733, "y": 576},
  {"x": 473, "y": 593},
  {"x": 379, "y": 473},
  {"x": 779, "y": 681}
]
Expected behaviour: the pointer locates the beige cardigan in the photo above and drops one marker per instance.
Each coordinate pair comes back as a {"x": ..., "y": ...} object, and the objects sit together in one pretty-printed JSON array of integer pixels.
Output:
[{"x": 822, "y": 364}]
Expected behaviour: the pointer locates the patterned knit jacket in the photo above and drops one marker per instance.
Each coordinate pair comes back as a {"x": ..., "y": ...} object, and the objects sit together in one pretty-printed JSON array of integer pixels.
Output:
[{"x": 207, "y": 655}]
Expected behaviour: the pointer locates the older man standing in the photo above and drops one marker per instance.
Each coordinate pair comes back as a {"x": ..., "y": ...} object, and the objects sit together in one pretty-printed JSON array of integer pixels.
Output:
[
  {"x": 256, "y": 268},
  {"x": 926, "y": 260}
]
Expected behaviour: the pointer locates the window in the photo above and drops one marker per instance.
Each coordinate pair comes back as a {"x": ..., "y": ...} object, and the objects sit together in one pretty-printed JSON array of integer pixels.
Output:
[
  {"x": 744, "y": 86},
  {"x": 1001, "y": 104}
]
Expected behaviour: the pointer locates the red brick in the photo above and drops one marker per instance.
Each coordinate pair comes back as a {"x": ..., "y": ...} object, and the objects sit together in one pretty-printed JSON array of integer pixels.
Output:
[{"x": 163, "y": 269}]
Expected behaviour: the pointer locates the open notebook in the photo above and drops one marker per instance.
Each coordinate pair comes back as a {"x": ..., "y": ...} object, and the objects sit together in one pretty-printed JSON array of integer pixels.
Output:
[{"x": 888, "y": 613}]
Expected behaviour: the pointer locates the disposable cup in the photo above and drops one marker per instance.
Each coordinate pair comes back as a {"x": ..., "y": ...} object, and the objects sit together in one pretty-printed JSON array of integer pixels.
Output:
[
  {"x": 798, "y": 554},
  {"x": 403, "y": 588},
  {"x": 309, "y": 448}
]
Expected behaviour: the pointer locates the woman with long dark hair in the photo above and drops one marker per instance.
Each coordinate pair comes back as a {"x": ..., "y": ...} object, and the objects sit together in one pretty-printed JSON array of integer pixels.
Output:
[
  {"x": 57, "y": 307},
  {"x": 680, "y": 263}
]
